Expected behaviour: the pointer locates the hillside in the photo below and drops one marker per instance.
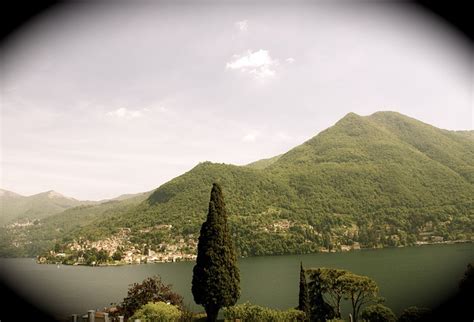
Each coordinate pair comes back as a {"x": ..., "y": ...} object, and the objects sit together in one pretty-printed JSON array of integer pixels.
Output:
[
  {"x": 380, "y": 180},
  {"x": 41, "y": 205}
]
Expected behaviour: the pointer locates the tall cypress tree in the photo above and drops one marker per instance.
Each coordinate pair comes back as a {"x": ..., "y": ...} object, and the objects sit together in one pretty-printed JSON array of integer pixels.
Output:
[
  {"x": 303, "y": 303},
  {"x": 216, "y": 275}
]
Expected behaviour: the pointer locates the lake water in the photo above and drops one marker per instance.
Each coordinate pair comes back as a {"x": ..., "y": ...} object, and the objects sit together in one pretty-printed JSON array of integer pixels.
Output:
[{"x": 421, "y": 276}]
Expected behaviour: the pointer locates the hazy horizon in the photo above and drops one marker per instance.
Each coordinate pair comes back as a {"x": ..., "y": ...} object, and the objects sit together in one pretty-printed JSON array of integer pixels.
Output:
[{"x": 100, "y": 100}]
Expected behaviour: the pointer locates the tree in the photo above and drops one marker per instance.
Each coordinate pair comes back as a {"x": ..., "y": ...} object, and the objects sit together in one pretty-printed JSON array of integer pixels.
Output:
[
  {"x": 151, "y": 289},
  {"x": 359, "y": 290},
  {"x": 378, "y": 313},
  {"x": 320, "y": 311},
  {"x": 414, "y": 314},
  {"x": 327, "y": 280},
  {"x": 303, "y": 303},
  {"x": 118, "y": 255},
  {"x": 216, "y": 276}
]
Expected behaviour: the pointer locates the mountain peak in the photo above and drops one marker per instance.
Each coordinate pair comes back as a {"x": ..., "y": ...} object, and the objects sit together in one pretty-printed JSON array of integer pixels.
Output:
[{"x": 7, "y": 193}]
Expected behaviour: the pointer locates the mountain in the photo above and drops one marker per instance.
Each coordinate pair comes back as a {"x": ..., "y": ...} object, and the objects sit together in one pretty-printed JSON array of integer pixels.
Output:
[
  {"x": 41, "y": 205},
  {"x": 263, "y": 163},
  {"x": 379, "y": 180}
]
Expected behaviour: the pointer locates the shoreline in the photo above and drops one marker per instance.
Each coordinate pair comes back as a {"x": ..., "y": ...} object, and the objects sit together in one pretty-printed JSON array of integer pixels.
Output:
[{"x": 417, "y": 244}]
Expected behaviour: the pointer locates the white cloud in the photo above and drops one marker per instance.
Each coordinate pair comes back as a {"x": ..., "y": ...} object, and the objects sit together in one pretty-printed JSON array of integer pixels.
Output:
[
  {"x": 242, "y": 25},
  {"x": 290, "y": 60},
  {"x": 259, "y": 64},
  {"x": 125, "y": 113},
  {"x": 250, "y": 137}
]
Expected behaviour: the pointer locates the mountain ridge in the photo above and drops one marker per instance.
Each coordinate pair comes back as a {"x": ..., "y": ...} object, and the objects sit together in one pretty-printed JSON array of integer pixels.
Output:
[{"x": 376, "y": 180}]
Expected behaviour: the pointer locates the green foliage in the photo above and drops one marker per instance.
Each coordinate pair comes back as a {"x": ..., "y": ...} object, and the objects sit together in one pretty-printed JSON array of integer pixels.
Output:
[
  {"x": 378, "y": 313},
  {"x": 360, "y": 290},
  {"x": 414, "y": 314},
  {"x": 216, "y": 278},
  {"x": 336, "y": 285},
  {"x": 157, "y": 312},
  {"x": 151, "y": 289},
  {"x": 248, "y": 312},
  {"x": 320, "y": 311},
  {"x": 303, "y": 297}
]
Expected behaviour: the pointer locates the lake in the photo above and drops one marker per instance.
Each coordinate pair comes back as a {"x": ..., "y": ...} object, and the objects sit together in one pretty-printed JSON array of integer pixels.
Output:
[{"x": 421, "y": 276}]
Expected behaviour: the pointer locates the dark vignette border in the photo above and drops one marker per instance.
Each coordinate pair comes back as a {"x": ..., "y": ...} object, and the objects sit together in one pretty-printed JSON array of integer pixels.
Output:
[{"x": 19, "y": 13}]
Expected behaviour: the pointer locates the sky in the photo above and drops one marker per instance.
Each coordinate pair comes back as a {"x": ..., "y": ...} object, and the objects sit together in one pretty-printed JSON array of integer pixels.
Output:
[{"x": 104, "y": 98}]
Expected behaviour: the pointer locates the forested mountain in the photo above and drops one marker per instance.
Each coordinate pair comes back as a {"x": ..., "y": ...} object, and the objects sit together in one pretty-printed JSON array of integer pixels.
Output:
[
  {"x": 14, "y": 206},
  {"x": 379, "y": 180}
]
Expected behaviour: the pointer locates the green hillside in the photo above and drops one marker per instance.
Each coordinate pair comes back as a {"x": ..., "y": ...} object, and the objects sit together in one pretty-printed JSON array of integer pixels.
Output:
[
  {"x": 380, "y": 180},
  {"x": 264, "y": 163},
  {"x": 43, "y": 234},
  {"x": 41, "y": 205}
]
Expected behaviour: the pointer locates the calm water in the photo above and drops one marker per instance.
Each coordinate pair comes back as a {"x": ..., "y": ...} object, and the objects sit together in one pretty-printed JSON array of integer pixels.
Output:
[{"x": 419, "y": 276}]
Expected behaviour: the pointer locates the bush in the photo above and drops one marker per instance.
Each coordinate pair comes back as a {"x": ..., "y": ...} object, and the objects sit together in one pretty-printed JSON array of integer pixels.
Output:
[
  {"x": 157, "y": 312},
  {"x": 249, "y": 312},
  {"x": 151, "y": 289},
  {"x": 413, "y": 314},
  {"x": 378, "y": 313}
]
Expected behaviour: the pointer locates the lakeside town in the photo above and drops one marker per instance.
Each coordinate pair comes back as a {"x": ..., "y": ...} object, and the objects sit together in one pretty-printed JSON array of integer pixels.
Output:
[
  {"x": 120, "y": 250},
  {"x": 125, "y": 248}
]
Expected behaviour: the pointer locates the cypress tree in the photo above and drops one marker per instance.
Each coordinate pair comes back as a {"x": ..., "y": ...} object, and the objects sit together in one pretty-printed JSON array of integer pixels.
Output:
[
  {"x": 303, "y": 303},
  {"x": 216, "y": 277}
]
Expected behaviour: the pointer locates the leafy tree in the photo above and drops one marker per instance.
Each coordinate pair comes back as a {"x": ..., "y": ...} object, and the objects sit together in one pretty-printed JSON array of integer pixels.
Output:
[
  {"x": 414, "y": 314},
  {"x": 378, "y": 313},
  {"x": 303, "y": 303},
  {"x": 216, "y": 276},
  {"x": 157, "y": 312},
  {"x": 359, "y": 290},
  {"x": 151, "y": 289},
  {"x": 319, "y": 309},
  {"x": 330, "y": 283},
  {"x": 118, "y": 255}
]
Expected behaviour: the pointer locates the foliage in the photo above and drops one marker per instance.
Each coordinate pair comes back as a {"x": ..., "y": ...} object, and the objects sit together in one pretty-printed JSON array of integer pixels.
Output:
[
  {"x": 249, "y": 312},
  {"x": 303, "y": 297},
  {"x": 378, "y": 313},
  {"x": 216, "y": 278},
  {"x": 320, "y": 311},
  {"x": 360, "y": 290},
  {"x": 157, "y": 312},
  {"x": 151, "y": 289},
  {"x": 335, "y": 285},
  {"x": 414, "y": 314}
]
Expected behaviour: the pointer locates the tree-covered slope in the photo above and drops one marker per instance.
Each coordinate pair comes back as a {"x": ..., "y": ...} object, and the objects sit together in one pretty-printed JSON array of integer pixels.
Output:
[
  {"x": 43, "y": 234},
  {"x": 384, "y": 179},
  {"x": 14, "y": 206}
]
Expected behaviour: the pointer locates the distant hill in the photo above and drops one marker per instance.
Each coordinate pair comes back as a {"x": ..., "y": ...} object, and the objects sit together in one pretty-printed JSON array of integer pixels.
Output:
[
  {"x": 379, "y": 180},
  {"x": 41, "y": 205}
]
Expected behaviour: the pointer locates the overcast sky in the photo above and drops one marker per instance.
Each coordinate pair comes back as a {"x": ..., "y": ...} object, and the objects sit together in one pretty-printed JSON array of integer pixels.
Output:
[{"x": 98, "y": 100}]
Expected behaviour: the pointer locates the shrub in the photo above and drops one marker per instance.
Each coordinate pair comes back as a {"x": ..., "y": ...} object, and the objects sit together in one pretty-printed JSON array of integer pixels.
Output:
[
  {"x": 378, "y": 313},
  {"x": 413, "y": 314},
  {"x": 151, "y": 289},
  {"x": 249, "y": 312},
  {"x": 157, "y": 312}
]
